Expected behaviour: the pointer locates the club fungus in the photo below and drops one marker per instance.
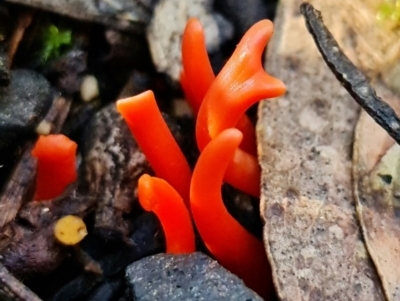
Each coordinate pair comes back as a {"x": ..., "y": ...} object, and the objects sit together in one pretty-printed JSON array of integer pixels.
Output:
[
  {"x": 157, "y": 195},
  {"x": 231, "y": 244},
  {"x": 220, "y": 104},
  {"x": 56, "y": 167},
  {"x": 241, "y": 83},
  {"x": 70, "y": 230},
  {"x": 197, "y": 77},
  {"x": 156, "y": 141}
]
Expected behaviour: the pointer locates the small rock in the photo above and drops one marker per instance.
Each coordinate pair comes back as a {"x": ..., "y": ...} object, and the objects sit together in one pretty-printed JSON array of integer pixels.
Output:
[
  {"x": 120, "y": 14},
  {"x": 4, "y": 71},
  {"x": 23, "y": 104},
  {"x": 166, "y": 28},
  {"x": 108, "y": 290},
  {"x": 184, "y": 277},
  {"x": 67, "y": 71},
  {"x": 89, "y": 88},
  {"x": 243, "y": 14},
  {"x": 147, "y": 235}
]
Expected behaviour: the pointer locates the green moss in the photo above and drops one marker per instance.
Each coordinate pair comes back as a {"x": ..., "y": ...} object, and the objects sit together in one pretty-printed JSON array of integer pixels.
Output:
[
  {"x": 389, "y": 10},
  {"x": 54, "y": 40}
]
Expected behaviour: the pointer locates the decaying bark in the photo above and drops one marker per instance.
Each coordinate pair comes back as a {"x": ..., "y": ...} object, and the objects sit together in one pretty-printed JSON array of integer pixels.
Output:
[
  {"x": 19, "y": 188},
  {"x": 311, "y": 231},
  {"x": 376, "y": 170}
]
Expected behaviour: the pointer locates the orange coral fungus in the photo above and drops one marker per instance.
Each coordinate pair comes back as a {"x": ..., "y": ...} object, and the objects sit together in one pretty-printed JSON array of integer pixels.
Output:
[
  {"x": 198, "y": 76},
  {"x": 158, "y": 196},
  {"x": 56, "y": 167},
  {"x": 198, "y": 73},
  {"x": 226, "y": 239},
  {"x": 156, "y": 141},
  {"x": 244, "y": 173},
  {"x": 241, "y": 83}
]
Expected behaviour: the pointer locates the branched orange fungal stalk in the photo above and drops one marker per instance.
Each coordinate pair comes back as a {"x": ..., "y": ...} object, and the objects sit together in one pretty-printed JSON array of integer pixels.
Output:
[
  {"x": 241, "y": 83},
  {"x": 197, "y": 77}
]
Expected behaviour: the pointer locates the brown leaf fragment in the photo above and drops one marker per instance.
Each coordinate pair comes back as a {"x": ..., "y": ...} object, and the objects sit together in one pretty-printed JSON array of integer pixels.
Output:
[
  {"x": 376, "y": 171},
  {"x": 350, "y": 77},
  {"x": 19, "y": 188},
  {"x": 32, "y": 251},
  {"x": 311, "y": 232}
]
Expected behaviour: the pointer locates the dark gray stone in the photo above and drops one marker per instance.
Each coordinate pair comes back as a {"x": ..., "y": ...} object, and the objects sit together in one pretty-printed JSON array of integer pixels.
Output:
[
  {"x": 4, "y": 70},
  {"x": 120, "y": 14},
  {"x": 23, "y": 104},
  {"x": 184, "y": 277},
  {"x": 243, "y": 14}
]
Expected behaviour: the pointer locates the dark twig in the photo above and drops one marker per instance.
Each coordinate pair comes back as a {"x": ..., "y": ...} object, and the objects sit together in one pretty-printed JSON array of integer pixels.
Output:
[
  {"x": 12, "y": 289},
  {"x": 351, "y": 78}
]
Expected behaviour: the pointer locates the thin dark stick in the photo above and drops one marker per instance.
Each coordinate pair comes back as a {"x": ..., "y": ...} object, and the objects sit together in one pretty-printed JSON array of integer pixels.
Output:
[{"x": 350, "y": 77}]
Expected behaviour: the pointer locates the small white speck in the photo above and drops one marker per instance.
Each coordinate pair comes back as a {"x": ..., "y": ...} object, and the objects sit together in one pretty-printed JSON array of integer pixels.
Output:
[
  {"x": 44, "y": 128},
  {"x": 395, "y": 125},
  {"x": 363, "y": 90},
  {"x": 89, "y": 88},
  {"x": 45, "y": 210},
  {"x": 336, "y": 231}
]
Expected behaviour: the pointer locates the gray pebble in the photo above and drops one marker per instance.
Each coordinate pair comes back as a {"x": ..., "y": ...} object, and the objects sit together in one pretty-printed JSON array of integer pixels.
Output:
[
  {"x": 119, "y": 14},
  {"x": 4, "y": 70},
  {"x": 166, "y": 28},
  {"x": 184, "y": 277},
  {"x": 23, "y": 104}
]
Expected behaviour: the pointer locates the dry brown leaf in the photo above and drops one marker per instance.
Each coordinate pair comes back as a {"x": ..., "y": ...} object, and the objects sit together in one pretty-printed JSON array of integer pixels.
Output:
[
  {"x": 376, "y": 170},
  {"x": 311, "y": 232}
]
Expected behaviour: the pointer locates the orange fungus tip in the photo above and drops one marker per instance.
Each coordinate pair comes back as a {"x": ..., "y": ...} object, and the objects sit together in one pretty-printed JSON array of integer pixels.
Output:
[
  {"x": 56, "y": 165},
  {"x": 232, "y": 245},
  {"x": 198, "y": 76},
  {"x": 153, "y": 136},
  {"x": 158, "y": 196},
  {"x": 241, "y": 83},
  {"x": 197, "y": 71}
]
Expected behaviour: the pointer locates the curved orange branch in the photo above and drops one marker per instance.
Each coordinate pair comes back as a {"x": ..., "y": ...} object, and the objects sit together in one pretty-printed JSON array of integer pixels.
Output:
[
  {"x": 241, "y": 83},
  {"x": 232, "y": 245},
  {"x": 156, "y": 141},
  {"x": 198, "y": 76},
  {"x": 158, "y": 196},
  {"x": 198, "y": 73}
]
